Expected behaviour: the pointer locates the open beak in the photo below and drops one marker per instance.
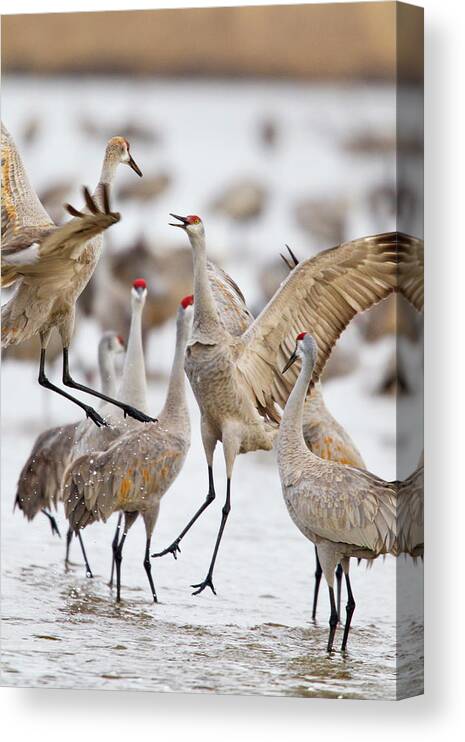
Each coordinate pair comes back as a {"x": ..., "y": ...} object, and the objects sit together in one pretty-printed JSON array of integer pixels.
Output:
[
  {"x": 291, "y": 360},
  {"x": 182, "y": 219},
  {"x": 133, "y": 165}
]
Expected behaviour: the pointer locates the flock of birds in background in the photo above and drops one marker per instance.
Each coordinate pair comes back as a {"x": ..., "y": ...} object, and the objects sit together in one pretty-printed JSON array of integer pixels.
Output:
[{"x": 256, "y": 381}]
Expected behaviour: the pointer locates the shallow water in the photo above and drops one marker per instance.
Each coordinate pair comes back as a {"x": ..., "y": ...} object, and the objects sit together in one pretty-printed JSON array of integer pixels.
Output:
[{"x": 63, "y": 630}]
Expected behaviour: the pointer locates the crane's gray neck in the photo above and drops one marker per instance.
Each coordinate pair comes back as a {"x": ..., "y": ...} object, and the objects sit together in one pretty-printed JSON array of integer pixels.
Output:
[
  {"x": 107, "y": 176},
  {"x": 175, "y": 414},
  {"x": 106, "y": 364},
  {"x": 314, "y": 404},
  {"x": 133, "y": 387},
  {"x": 207, "y": 328},
  {"x": 290, "y": 429}
]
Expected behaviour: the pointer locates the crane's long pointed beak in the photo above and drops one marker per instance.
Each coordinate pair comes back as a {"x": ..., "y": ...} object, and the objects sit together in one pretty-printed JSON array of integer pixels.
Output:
[
  {"x": 182, "y": 219},
  {"x": 291, "y": 360},
  {"x": 133, "y": 165}
]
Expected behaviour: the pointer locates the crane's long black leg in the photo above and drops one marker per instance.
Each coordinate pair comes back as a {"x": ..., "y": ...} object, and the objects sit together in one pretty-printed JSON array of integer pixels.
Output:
[
  {"x": 128, "y": 409},
  {"x": 339, "y": 573},
  {"x": 69, "y": 538},
  {"x": 174, "y": 547},
  {"x": 333, "y": 620},
  {"x": 208, "y": 581},
  {"x": 318, "y": 573},
  {"x": 148, "y": 570},
  {"x": 45, "y": 382},
  {"x": 53, "y": 523},
  {"x": 118, "y": 552},
  {"x": 350, "y": 608},
  {"x": 114, "y": 544},
  {"x": 88, "y": 569}
]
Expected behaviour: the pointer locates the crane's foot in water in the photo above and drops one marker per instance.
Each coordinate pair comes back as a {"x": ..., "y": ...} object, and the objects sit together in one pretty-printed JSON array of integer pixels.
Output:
[
  {"x": 208, "y": 582},
  {"x": 173, "y": 549}
]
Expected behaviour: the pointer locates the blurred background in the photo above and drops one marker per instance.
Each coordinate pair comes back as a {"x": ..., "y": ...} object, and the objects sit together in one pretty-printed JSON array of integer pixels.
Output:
[
  {"x": 271, "y": 142},
  {"x": 277, "y": 125}
]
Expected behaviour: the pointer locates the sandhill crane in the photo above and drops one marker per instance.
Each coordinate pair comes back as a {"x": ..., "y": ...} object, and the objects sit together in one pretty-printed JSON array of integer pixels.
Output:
[
  {"x": 39, "y": 484},
  {"x": 132, "y": 390},
  {"x": 343, "y": 510},
  {"x": 134, "y": 473},
  {"x": 51, "y": 265},
  {"x": 326, "y": 438},
  {"x": 236, "y": 378}
]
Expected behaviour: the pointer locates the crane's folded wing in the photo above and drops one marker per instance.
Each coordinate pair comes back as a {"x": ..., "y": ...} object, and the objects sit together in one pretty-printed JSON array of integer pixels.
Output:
[
  {"x": 137, "y": 466},
  {"x": 232, "y": 309},
  {"x": 347, "y": 505}
]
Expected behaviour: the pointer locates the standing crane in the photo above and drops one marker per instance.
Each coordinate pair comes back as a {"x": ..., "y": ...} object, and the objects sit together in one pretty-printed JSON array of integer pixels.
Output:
[
  {"x": 237, "y": 380},
  {"x": 345, "y": 511},
  {"x": 134, "y": 473},
  {"x": 132, "y": 390},
  {"x": 49, "y": 265},
  {"x": 39, "y": 483},
  {"x": 326, "y": 438}
]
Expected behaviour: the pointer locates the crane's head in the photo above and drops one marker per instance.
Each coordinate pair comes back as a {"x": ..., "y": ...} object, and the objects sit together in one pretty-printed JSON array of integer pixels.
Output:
[
  {"x": 305, "y": 347},
  {"x": 118, "y": 149},
  {"x": 113, "y": 343},
  {"x": 185, "y": 313},
  {"x": 139, "y": 290},
  {"x": 192, "y": 224},
  {"x": 187, "y": 302}
]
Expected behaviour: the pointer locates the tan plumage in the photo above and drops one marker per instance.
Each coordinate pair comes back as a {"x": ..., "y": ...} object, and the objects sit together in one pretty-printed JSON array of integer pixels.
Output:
[
  {"x": 411, "y": 273},
  {"x": 52, "y": 265},
  {"x": 324, "y": 436},
  {"x": 49, "y": 261},
  {"x": 324, "y": 292},
  {"x": 237, "y": 380},
  {"x": 138, "y": 468},
  {"x": 233, "y": 312},
  {"x": 344, "y": 510},
  {"x": 20, "y": 204}
]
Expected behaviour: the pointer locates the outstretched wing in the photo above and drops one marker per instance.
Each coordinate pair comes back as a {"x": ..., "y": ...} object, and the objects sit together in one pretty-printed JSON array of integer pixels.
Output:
[
  {"x": 411, "y": 273},
  {"x": 20, "y": 204},
  {"x": 49, "y": 254},
  {"x": 232, "y": 309},
  {"x": 410, "y": 536},
  {"x": 321, "y": 295}
]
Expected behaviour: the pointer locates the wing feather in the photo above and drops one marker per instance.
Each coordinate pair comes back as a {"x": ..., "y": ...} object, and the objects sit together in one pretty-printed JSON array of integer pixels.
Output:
[
  {"x": 232, "y": 309},
  {"x": 321, "y": 295},
  {"x": 21, "y": 206},
  {"x": 58, "y": 248}
]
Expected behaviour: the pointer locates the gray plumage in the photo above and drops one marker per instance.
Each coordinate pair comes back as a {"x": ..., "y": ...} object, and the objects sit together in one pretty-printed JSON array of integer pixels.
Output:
[
  {"x": 138, "y": 468},
  {"x": 343, "y": 510},
  {"x": 40, "y": 480}
]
